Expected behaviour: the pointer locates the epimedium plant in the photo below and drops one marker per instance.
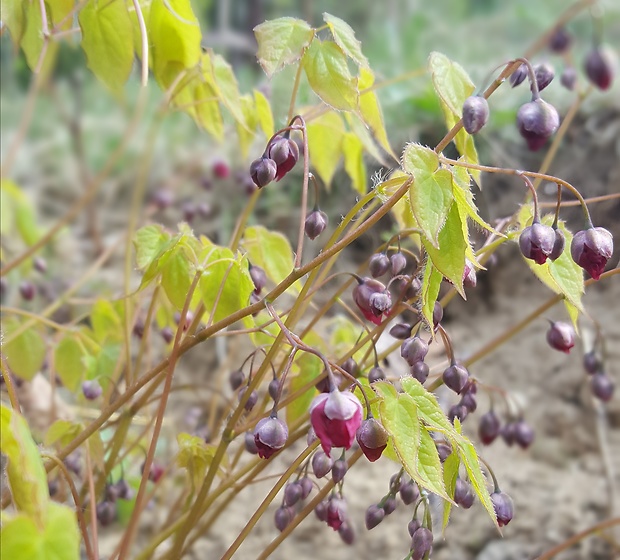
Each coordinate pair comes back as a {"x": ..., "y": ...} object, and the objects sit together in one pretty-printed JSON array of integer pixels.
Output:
[{"x": 300, "y": 384}]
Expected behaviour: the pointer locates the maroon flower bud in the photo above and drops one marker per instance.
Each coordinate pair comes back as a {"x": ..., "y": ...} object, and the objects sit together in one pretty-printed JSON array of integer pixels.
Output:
[
  {"x": 306, "y": 487},
  {"x": 285, "y": 153},
  {"x": 421, "y": 543},
  {"x": 568, "y": 78},
  {"x": 315, "y": 224},
  {"x": 27, "y": 290},
  {"x": 263, "y": 170},
  {"x": 110, "y": 493},
  {"x": 455, "y": 377},
  {"x": 236, "y": 379},
  {"x": 413, "y": 526},
  {"x": 167, "y": 334},
  {"x": 463, "y": 494},
  {"x": 560, "y": 40},
  {"x": 321, "y": 464},
  {"x": 156, "y": 472},
  {"x": 544, "y": 75},
  {"x": 420, "y": 371},
  {"x": 336, "y": 512},
  {"x": 259, "y": 278},
  {"x": 321, "y": 511},
  {"x": 504, "y": 509},
  {"x": 468, "y": 400},
  {"x": 602, "y": 386},
  {"x": 252, "y": 399},
  {"x": 443, "y": 450},
  {"x": 138, "y": 328},
  {"x": 536, "y": 122},
  {"x": 398, "y": 263},
  {"x": 292, "y": 493},
  {"x": 374, "y": 516},
  {"x": 558, "y": 244},
  {"x": 339, "y": 469},
  {"x": 283, "y": 517},
  {"x": 458, "y": 411},
  {"x": 270, "y": 436},
  {"x": 591, "y": 249},
  {"x": 221, "y": 169},
  {"x": 599, "y": 68},
  {"x": 39, "y": 264},
  {"x": 372, "y": 298},
  {"x": 489, "y": 427},
  {"x": 106, "y": 513},
  {"x": 389, "y": 505},
  {"x": 536, "y": 242},
  {"x": 469, "y": 275},
  {"x": 335, "y": 418},
  {"x": 351, "y": 367},
  {"x": 413, "y": 350},
  {"x": 378, "y": 264},
  {"x": 91, "y": 389},
  {"x": 437, "y": 313},
  {"x": 376, "y": 374},
  {"x": 591, "y": 363},
  {"x": 372, "y": 438},
  {"x": 561, "y": 336},
  {"x": 347, "y": 534},
  {"x": 523, "y": 434},
  {"x": 475, "y": 113},
  {"x": 508, "y": 433},
  {"x": 123, "y": 490},
  {"x": 274, "y": 388},
  {"x": 409, "y": 492},
  {"x": 401, "y": 331},
  {"x": 518, "y": 76}
]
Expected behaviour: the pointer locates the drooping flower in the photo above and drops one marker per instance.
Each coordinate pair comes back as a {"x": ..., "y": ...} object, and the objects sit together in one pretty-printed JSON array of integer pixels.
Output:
[
  {"x": 335, "y": 417},
  {"x": 270, "y": 436},
  {"x": 372, "y": 438}
]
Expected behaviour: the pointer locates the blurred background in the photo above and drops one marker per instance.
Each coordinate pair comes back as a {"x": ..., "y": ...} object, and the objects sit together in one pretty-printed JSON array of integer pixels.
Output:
[{"x": 568, "y": 479}]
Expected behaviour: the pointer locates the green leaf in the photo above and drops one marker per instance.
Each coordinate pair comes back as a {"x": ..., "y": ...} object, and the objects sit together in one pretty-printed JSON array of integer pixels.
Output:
[
  {"x": 281, "y": 41},
  {"x": 174, "y": 36},
  {"x": 353, "y": 151},
  {"x": 206, "y": 105},
  {"x": 450, "y": 473},
  {"x": 430, "y": 194},
  {"x": 428, "y": 408},
  {"x": 12, "y": 15},
  {"x": 250, "y": 120},
  {"x": 370, "y": 110},
  {"x": 328, "y": 74},
  {"x": 176, "y": 278},
  {"x": 325, "y": 139},
  {"x": 107, "y": 41},
  {"x": 59, "y": 539},
  {"x": 69, "y": 361},
  {"x": 344, "y": 335},
  {"x": 263, "y": 113},
  {"x": 25, "y": 353},
  {"x": 194, "y": 455},
  {"x": 228, "y": 89},
  {"x": 106, "y": 321},
  {"x": 17, "y": 211},
  {"x": 345, "y": 38},
  {"x": 32, "y": 37},
  {"x": 59, "y": 10},
  {"x": 103, "y": 365},
  {"x": 431, "y": 282},
  {"x": 62, "y": 432},
  {"x": 449, "y": 259},
  {"x": 149, "y": 241},
  {"x": 271, "y": 251}
]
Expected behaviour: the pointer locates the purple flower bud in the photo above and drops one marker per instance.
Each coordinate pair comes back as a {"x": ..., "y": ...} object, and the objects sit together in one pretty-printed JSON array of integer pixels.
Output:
[
  {"x": 351, "y": 367},
  {"x": 315, "y": 224},
  {"x": 395, "y": 481},
  {"x": 258, "y": 277},
  {"x": 455, "y": 377},
  {"x": 536, "y": 242},
  {"x": 504, "y": 509},
  {"x": 420, "y": 371},
  {"x": 561, "y": 336},
  {"x": 220, "y": 169},
  {"x": 591, "y": 363},
  {"x": 374, "y": 516},
  {"x": 123, "y": 490},
  {"x": 401, "y": 331},
  {"x": 336, "y": 512},
  {"x": 378, "y": 264},
  {"x": 252, "y": 399},
  {"x": 398, "y": 263},
  {"x": 162, "y": 199},
  {"x": 321, "y": 464},
  {"x": 558, "y": 244},
  {"x": 91, "y": 389},
  {"x": 339, "y": 469},
  {"x": 106, "y": 513},
  {"x": 321, "y": 511},
  {"x": 413, "y": 350},
  {"x": 285, "y": 153},
  {"x": 443, "y": 450},
  {"x": 469, "y": 275},
  {"x": 489, "y": 427},
  {"x": 372, "y": 438},
  {"x": 27, "y": 290},
  {"x": 306, "y": 487},
  {"x": 475, "y": 113},
  {"x": 156, "y": 472},
  {"x": 437, "y": 313},
  {"x": 523, "y": 434},
  {"x": 236, "y": 379},
  {"x": 560, "y": 40},
  {"x": 599, "y": 68},
  {"x": 421, "y": 543},
  {"x": 568, "y": 78},
  {"x": 273, "y": 388},
  {"x": 518, "y": 76},
  {"x": 508, "y": 433},
  {"x": 270, "y": 436},
  {"x": 413, "y": 526},
  {"x": 73, "y": 463},
  {"x": 347, "y": 534},
  {"x": 468, "y": 400},
  {"x": 263, "y": 170},
  {"x": 167, "y": 334},
  {"x": 409, "y": 492},
  {"x": 463, "y": 494},
  {"x": 110, "y": 493},
  {"x": 189, "y": 211},
  {"x": 544, "y": 75},
  {"x": 536, "y": 122},
  {"x": 458, "y": 411},
  {"x": 376, "y": 374},
  {"x": 292, "y": 493},
  {"x": 372, "y": 298},
  {"x": 602, "y": 386},
  {"x": 591, "y": 249},
  {"x": 389, "y": 505},
  {"x": 39, "y": 264},
  {"x": 283, "y": 517},
  {"x": 335, "y": 417}
]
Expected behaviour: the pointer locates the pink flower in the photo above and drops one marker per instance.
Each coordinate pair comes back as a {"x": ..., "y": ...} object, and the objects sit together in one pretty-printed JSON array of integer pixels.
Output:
[
  {"x": 335, "y": 417},
  {"x": 336, "y": 512}
]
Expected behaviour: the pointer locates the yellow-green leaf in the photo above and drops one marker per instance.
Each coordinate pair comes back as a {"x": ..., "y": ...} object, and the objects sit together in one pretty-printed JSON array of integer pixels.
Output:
[
  {"x": 106, "y": 321},
  {"x": 17, "y": 211},
  {"x": 206, "y": 102},
  {"x": 309, "y": 367},
  {"x": 195, "y": 456},
  {"x": 450, "y": 474},
  {"x": 176, "y": 278},
  {"x": 107, "y": 41},
  {"x": 281, "y": 41},
  {"x": 328, "y": 74},
  {"x": 431, "y": 282},
  {"x": 13, "y": 17},
  {"x": 345, "y": 38},
  {"x": 228, "y": 89},
  {"x": 263, "y": 113},
  {"x": 62, "y": 432},
  {"x": 246, "y": 129},
  {"x": 353, "y": 151},
  {"x": 24, "y": 353},
  {"x": 149, "y": 241},
  {"x": 68, "y": 361},
  {"x": 325, "y": 139},
  {"x": 370, "y": 110}
]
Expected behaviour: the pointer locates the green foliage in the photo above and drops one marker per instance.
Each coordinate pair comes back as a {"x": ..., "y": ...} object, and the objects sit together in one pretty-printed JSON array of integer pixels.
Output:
[
  {"x": 195, "y": 456},
  {"x": 344, "y": 37},
  {"x": 16, "y": 211},
  {"x": 325, "y": 143},
  {"x": 431, "y": 282},
  {"x": 25, "y": 352},
  {"x": 69, "y": 361}
]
